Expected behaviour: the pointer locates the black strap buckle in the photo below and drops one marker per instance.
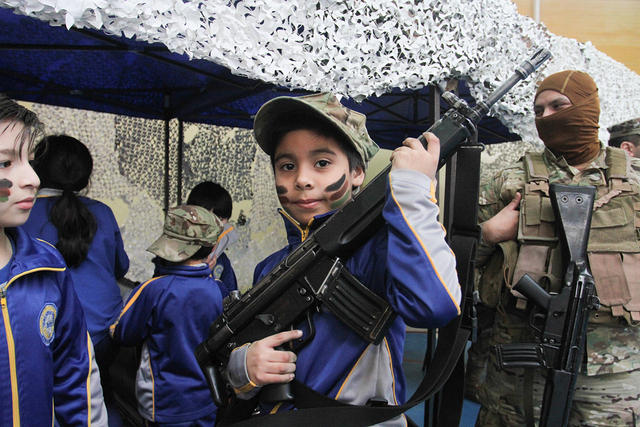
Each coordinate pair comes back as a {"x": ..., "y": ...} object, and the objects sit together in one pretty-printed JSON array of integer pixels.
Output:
[{"x": 377, "y": 403}]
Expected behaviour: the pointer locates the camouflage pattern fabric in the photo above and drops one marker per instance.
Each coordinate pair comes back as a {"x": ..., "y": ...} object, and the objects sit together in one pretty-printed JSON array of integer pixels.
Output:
[
  {"x": 326, "y": 107},
  {"x": 612, "y": 347},
  {"x": 497, "y": 192},
  {"x": 605, "y": 398},
  {"x": 602, "y": 400},
  {"x": 626, "y": 128},
  {"x": 186, "y": 229},
  {"x": 476, "y": 369}
]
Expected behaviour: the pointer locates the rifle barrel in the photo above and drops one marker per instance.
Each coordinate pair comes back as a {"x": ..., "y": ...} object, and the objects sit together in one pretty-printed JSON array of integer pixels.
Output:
[{"x": 523, "y": 71}]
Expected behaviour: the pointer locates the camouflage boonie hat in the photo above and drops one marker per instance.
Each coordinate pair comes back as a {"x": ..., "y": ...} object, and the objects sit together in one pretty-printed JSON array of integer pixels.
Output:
[
  {"x": 629, "y": 127},
  {"x": 326, "y": 107},
  {"x": 186, "y": 229}
]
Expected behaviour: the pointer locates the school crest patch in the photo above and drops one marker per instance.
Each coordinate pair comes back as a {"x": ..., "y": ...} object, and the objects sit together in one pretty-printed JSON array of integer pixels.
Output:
[
  {"x": 217, "y": 271},
  {"x": 46, "y": 322}
]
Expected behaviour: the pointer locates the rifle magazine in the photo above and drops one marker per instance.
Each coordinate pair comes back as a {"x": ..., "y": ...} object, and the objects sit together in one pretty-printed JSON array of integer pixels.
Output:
[
  {"x": 358, "y": 307},
  {"x": 519, "y": 356}
]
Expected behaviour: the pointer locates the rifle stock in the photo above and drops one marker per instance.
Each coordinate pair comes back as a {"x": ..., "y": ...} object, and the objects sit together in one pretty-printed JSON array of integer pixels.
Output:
[
  {"x": 565, "y": 314},
  {"x": 313, "y": 274}
]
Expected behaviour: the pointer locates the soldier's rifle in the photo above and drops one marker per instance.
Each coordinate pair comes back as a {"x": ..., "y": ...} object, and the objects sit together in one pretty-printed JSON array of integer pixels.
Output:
[{"x": 560, "y": 320}]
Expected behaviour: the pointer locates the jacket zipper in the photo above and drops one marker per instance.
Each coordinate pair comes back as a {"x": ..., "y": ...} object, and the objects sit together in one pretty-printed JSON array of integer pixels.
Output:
[
  {"x": 10, "y": 342},
  {"x": 12, "y": 354},
  {"x": 304, "y": 232}
]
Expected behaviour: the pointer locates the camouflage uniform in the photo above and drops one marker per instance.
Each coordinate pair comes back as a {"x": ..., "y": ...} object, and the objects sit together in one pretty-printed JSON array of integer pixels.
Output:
[{"x": 607, "y": 392}]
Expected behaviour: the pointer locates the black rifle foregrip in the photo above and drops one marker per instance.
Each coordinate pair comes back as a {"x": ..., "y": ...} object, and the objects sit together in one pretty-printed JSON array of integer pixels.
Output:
[{"x": 452, "y": 129}]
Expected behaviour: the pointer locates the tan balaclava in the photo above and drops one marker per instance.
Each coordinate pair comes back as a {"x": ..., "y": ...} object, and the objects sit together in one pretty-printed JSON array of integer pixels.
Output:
[{"x": 572, "y": 132}]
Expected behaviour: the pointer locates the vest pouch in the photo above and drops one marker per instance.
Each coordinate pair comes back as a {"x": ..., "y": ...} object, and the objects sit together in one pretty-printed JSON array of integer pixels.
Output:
[
  {"x": 611, "y": 281},
  {"x": 613, "y": 227},
  {"x": 536, "y": 224},
  {"x": 498, "y": 271},
  {"x": 631, "y": 267},
  {"x": 636, "y": 209}
]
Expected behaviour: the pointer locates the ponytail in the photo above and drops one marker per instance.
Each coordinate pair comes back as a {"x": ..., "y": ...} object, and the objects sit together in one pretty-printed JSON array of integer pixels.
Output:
[
  {"x": 64, "y": 163},
  {"x": 76, "y": 227}
]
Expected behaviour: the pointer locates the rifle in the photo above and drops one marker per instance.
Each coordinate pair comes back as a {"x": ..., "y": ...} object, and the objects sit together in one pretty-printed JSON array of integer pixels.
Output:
[
  {"x": 562, "y": 325},
  {"x": 314, "y": 274}
]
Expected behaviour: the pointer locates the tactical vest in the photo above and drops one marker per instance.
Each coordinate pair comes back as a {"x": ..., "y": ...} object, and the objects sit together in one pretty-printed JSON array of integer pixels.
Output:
[{"x": 614, "y": 240}]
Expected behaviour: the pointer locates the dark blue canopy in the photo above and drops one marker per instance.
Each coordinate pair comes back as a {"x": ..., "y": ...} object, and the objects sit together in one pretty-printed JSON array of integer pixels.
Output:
[{"x": 91, "y": 70}]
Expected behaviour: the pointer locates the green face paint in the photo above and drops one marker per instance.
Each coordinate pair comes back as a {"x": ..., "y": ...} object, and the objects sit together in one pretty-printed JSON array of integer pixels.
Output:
[
  {"x": 341, "y": 201},
  {"x": 341, "y": 193}
]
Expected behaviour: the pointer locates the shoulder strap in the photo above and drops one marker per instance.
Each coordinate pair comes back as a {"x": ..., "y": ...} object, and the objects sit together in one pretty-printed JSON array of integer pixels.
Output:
[
  {"x": 617, "y": 172},
  {"x": 616, "y": 160},
  {"x": 535, "y": 167}
]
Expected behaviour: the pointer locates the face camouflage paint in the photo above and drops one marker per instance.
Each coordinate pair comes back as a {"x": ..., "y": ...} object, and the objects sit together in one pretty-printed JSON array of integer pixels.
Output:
[
  {"x": 5, "y": 184},
  {"x": 336, "y": 185},
  {"x": 281, "y": 191},
  {"x": 341, "y": 194}
]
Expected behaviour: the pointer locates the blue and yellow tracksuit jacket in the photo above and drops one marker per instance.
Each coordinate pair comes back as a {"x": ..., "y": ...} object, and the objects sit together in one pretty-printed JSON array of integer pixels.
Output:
[
  {"x": 46, "y": 358},
  {"x": 225, "y": 275},
  {"x": 409, "y": 264},
  {"x": 94, "y": 279},
  {"x": 170, "y": 315}
]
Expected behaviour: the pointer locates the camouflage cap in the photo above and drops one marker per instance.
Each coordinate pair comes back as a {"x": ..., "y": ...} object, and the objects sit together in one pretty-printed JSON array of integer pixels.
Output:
[
  {"x": 186, "y": 229},
  {"x": 324, "y": 106},
  {"x": 629, "y": 127}
]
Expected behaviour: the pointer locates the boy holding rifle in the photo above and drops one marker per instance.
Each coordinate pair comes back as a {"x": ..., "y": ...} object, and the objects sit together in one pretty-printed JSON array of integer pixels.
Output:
[{"x": 319, "y": 151}]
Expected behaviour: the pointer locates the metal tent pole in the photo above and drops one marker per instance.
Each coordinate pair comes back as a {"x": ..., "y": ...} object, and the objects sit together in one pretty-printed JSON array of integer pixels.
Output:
[
  {"x": 180, "y": 159},
  {"x": 431, "y": 405},
  {"x": 167, "y": 104}
]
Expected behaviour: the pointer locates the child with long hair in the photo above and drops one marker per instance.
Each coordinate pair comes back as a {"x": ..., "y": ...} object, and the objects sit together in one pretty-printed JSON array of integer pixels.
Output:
[{"x": 85, "y": 232}]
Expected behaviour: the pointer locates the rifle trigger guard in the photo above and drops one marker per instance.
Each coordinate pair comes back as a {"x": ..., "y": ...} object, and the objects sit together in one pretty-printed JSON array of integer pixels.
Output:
[{"x": 306, "y": 338}]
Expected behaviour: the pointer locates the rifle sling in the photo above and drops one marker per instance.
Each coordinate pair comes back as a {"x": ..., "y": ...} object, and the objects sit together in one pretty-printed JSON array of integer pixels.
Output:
[
  {"x": 464, "y": 235},
  {"x": 313, "y": 406}
]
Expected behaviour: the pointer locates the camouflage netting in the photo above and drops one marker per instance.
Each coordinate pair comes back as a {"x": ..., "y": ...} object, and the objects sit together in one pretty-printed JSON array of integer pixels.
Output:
[
  {"x": 358, "y": 48},
  {"x": 129, "y": 176},
  {"x": 495, "y": 157}
]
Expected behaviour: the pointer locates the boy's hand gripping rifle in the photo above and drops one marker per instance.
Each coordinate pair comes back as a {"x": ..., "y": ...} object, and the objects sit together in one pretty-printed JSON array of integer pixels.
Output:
[
  {"x": 562, "y": 325},
  {"x": 314, "y": 273}
]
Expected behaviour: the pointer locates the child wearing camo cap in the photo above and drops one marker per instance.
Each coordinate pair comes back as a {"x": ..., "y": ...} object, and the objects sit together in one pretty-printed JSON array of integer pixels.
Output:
[
  {"x": 170, "y": 315},
  {"x": 319, "y": 151}
]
